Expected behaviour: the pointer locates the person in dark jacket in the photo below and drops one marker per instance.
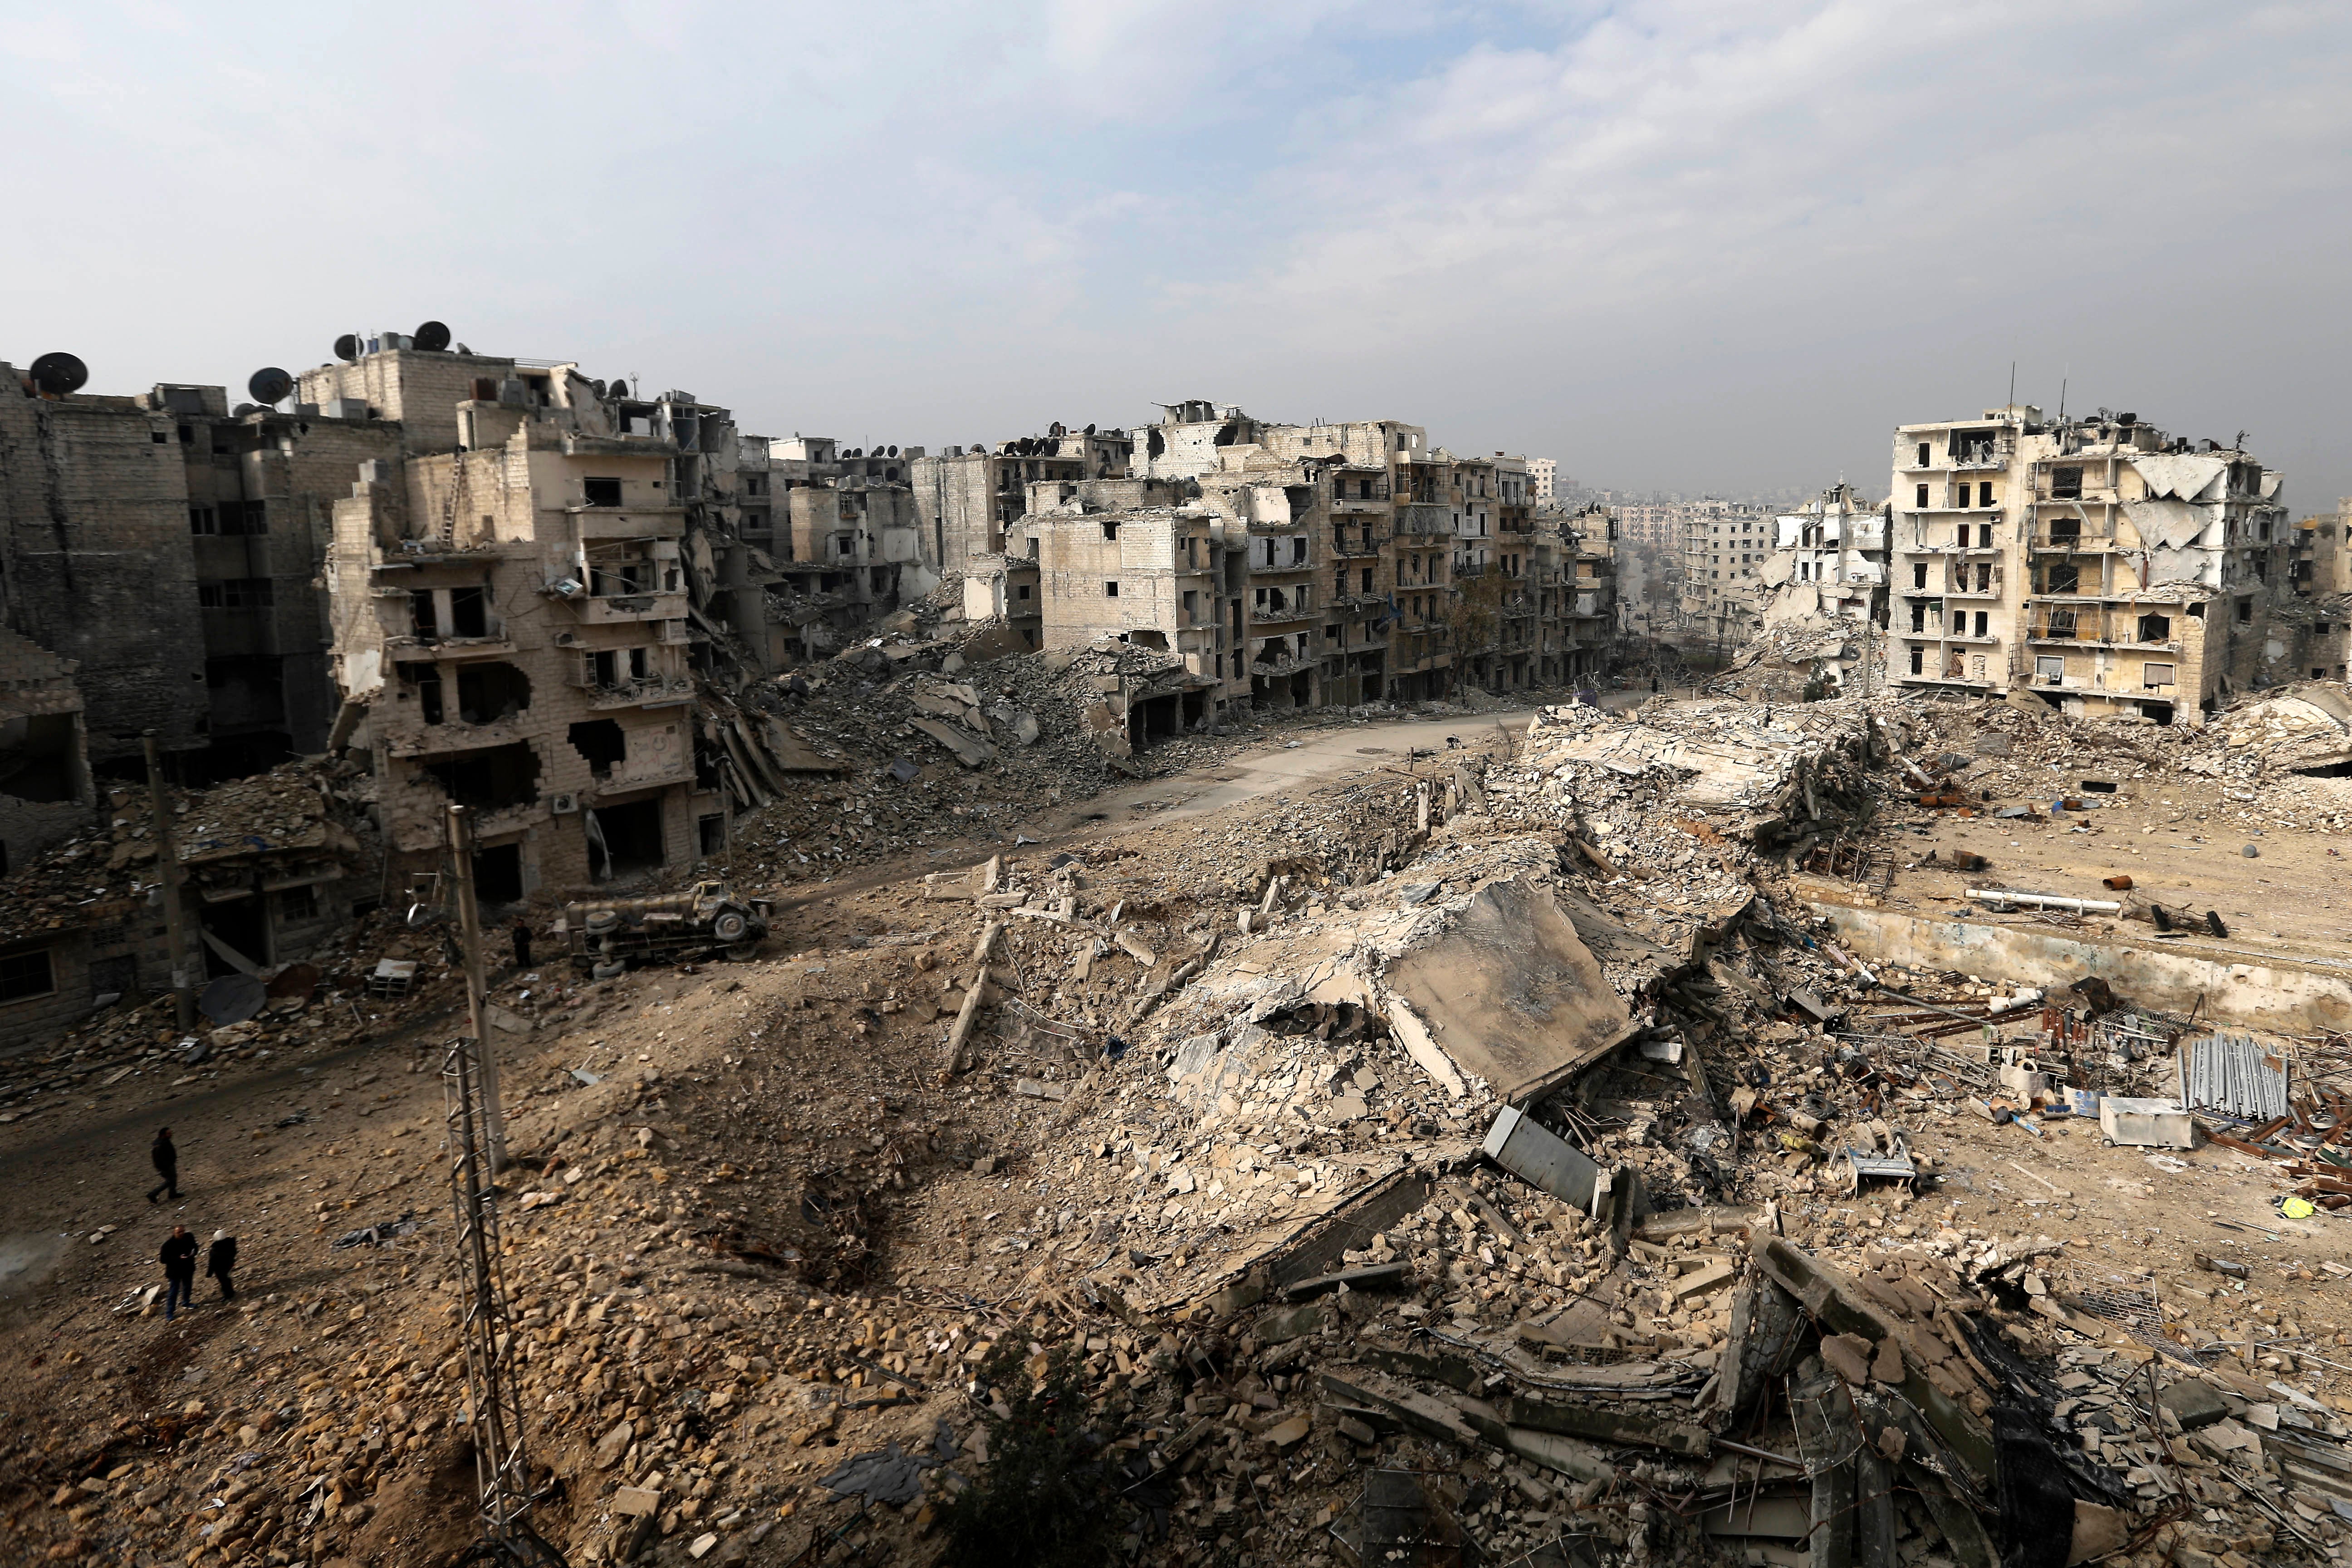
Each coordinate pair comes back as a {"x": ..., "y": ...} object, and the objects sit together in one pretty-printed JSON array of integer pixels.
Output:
[
  {"x": 167, "y": 1165},
  {"x": 179, "y": 1260},
  {"x": 521, "y": 935},
  {"x": 220, "y": 1261}
]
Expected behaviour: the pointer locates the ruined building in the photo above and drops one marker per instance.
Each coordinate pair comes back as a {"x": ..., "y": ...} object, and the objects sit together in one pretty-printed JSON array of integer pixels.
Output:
[
  {"x": 968, "y": 500},
  {"x": 836, "y": 535},
  {"x": 2107, "y": 567},
  {"x": 512, "y": 633},
  {"x": 1828, "y": 565},
  {"x": 1723, "y": 546},
  {"x": 170, "y": 547}
]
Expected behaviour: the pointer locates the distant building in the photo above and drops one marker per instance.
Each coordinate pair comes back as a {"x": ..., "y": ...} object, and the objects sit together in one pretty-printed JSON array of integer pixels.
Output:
[
  {"x": 1828, "y": 563},
  {"x": 1543, "y": 474}
]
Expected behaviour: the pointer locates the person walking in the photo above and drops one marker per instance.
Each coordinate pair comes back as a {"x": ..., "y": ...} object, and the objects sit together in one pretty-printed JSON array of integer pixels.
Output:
[
  {"x": 167, "y": 1165},
  {"x": 220, "y": 1261},
  {"x": 179, "y": 1260},
  {"x": 521, "y": 935}
]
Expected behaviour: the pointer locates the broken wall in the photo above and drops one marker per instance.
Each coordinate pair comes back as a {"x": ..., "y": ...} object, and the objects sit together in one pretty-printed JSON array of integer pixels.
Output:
[{"x": 2278, "y": 995}]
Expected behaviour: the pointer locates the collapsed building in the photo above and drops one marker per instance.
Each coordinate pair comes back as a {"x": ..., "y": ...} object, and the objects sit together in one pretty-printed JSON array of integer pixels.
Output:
[{"x": 2098, "y": 563}]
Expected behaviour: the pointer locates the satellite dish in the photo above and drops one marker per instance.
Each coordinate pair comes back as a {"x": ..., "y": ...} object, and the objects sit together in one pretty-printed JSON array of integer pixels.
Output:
[
  {"x": 347, "y": 349},
  {"x": 1090, "y": 429},
  {"x": 58, "y": 374},
  {"x": 620, "y": 389},
  {"x": 597, "y": 387},
  {"x": 431, "y": 337},
  {"x": 891, "y": 453},
  {"x": 269, "y": 384}
]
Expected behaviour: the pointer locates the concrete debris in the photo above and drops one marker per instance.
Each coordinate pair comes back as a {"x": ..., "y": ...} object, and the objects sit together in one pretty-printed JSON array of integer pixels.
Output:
[{"x": 1546, "y": 1171}]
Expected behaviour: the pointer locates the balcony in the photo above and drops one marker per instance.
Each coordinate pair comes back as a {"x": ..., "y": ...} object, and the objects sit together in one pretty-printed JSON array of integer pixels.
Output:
[
  {"x": 1991, "y": 590},
  {"x": 653, "y": 692},
  {"x": 626, "y": 609},
  {"x": 595, "y": 523},
  {"x": 414, "y": 649}
]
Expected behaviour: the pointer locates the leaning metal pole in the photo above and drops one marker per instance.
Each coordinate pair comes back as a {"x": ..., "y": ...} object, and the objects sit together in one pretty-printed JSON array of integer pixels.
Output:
[{"x": 493, "y": 1392}]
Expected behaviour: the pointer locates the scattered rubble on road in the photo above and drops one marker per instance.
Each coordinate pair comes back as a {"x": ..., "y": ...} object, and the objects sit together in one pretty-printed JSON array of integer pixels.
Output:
[{"x": 1490, "y": 1156}]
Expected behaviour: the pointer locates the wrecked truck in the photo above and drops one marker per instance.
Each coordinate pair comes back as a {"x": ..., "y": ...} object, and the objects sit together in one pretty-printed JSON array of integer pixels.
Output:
[{"x": 609, "y": 935}]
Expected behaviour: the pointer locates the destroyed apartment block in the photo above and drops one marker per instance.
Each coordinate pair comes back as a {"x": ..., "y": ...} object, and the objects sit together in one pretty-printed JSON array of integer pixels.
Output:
[{"x": 2095, "y": 563}]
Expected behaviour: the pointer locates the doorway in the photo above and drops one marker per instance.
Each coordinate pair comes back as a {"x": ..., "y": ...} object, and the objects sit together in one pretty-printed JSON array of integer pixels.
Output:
[{"x": 242, "y": 924}]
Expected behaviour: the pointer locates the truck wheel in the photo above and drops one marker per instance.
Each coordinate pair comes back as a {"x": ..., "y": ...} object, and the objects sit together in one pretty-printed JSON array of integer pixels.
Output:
[
  {"x": 608, "y": 971},
  {"x": 732, "y": 926}
]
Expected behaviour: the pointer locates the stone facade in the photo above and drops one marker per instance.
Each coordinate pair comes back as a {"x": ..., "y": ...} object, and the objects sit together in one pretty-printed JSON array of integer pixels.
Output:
[{"x": 95, "y": 564}]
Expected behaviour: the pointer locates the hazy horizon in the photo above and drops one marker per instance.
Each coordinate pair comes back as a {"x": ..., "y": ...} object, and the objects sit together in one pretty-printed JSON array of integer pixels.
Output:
[{"x": 1712, "y": 248}]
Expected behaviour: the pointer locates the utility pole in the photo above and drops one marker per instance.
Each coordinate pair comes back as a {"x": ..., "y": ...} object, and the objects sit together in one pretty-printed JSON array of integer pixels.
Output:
[
  {"x": 469, "y": 941},
  {"x": 167, "y": 861},
  {"x": 485, "y": 1326}
]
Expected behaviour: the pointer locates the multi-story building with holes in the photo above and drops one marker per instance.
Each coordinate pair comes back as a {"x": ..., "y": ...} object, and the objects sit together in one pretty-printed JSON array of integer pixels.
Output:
[
  {"x": 2111, "y": 569},
  {"x": 511, "y": 634}
]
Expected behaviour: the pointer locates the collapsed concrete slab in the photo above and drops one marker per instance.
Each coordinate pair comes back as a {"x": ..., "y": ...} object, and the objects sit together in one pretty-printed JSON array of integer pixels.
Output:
[{"x": 1517, "y": 998}]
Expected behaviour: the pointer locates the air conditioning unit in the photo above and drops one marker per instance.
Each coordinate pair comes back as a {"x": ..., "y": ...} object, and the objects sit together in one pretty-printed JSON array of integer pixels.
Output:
[{"x": 563, "y": 804}]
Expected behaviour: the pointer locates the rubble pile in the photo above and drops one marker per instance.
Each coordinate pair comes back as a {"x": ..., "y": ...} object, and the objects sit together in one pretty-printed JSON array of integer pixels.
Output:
[
  {"x": 927, "y": 750},
  {"x": 294, "y": 816},
  {"x": 1485, "y": 1157}
]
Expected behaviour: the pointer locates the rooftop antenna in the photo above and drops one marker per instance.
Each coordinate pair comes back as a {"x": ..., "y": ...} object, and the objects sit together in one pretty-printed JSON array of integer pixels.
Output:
[
  {"x": 2013, "y": 385},
  {"x": 2062, "y": 398}
]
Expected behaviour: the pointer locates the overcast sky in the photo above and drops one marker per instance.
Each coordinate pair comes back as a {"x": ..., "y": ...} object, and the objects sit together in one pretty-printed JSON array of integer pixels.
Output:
[{"x": 1674, "y": 245}]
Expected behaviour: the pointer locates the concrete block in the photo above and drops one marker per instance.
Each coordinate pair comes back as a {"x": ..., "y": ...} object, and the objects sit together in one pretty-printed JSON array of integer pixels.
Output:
[{"x": 2145, "y": 1124}]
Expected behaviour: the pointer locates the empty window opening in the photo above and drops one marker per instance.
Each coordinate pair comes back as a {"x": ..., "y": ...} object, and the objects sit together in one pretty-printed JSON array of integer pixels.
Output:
[
  {"x": 497, "y": 874},
  {"x": 2050, "y": 667},
  {"x": 2066, "y": 484},
  {"x": 494, "y": 777},
  {"x": 1110, "y": 533},
  {"x": 601, "y": 492},
  {"x": 2245, "y": 612},
  {"x": 603, "y": 743},
  {"x": 38, "y": 758},
  {"x": 1110, "y": 590},
  {"x": 711, "y": 835},
  {"x": 2156, "y": 674},
  {"x": 489, "y": 692},
  {"x": 469, "y": 612},
  {"x": 2155, "y": 628},
  {"x": 242, "y": 925}
]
